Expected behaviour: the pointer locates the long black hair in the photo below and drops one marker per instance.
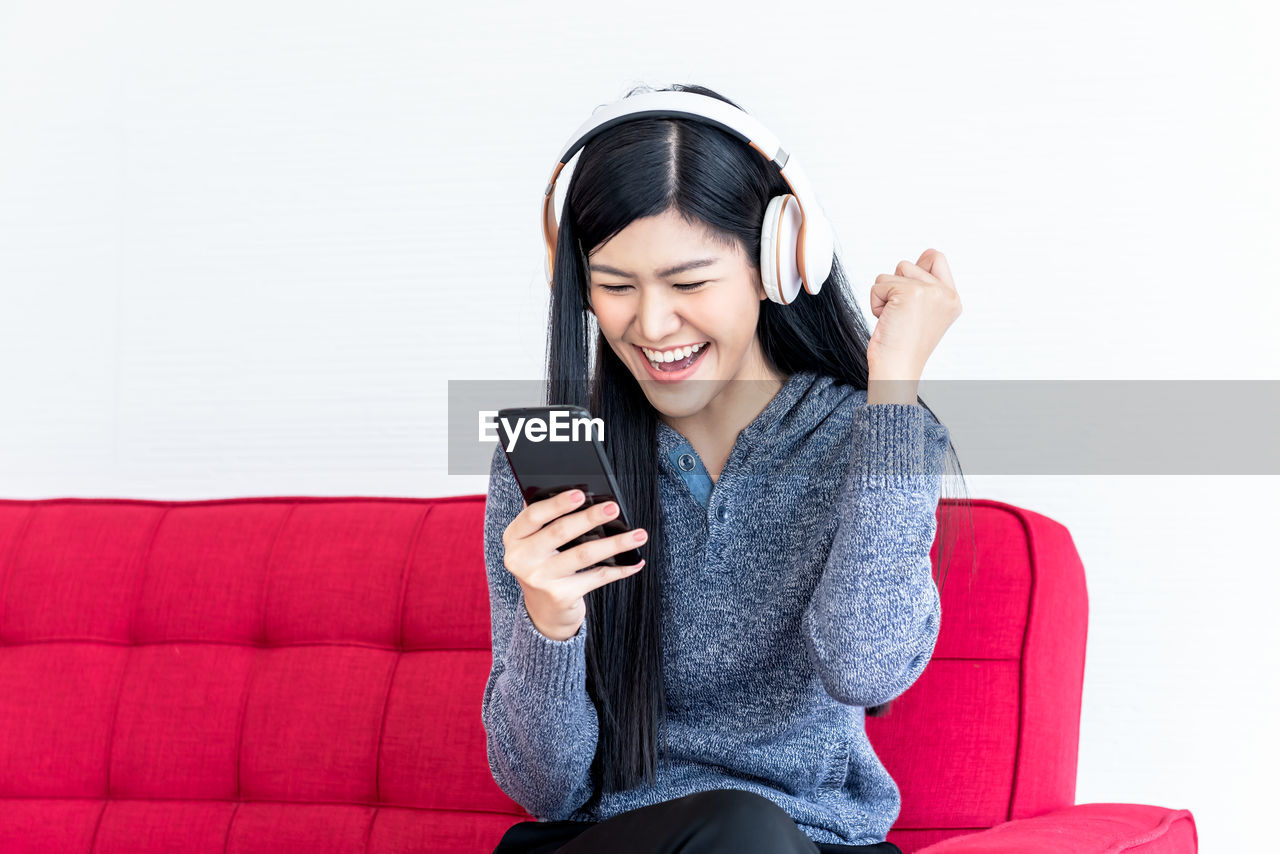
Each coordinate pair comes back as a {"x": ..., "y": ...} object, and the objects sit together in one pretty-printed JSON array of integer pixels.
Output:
[{"x": 637, "y": 169}]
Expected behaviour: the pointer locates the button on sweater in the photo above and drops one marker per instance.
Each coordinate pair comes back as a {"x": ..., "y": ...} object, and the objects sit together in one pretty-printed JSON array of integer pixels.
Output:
[{"x": 797, "y": 591}]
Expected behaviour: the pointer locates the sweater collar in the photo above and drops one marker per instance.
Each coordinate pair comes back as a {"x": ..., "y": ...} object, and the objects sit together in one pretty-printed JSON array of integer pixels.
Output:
[{"x": 764, "y": 428}]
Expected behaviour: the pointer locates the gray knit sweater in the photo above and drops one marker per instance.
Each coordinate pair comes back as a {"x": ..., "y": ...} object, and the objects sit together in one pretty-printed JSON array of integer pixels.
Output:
[{"x": 798, "y": 591}]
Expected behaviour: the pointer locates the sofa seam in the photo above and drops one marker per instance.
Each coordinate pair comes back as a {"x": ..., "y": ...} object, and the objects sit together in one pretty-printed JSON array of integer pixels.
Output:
[
  {"x": 254, "y": 659},
  {"x": 368, "y": 831},
  {"x": 235, "y": 810},
  {"x": 1022, "y": 661},
  {"x": 1160, "y": 830},
  {"x": 18, "y": 542}
]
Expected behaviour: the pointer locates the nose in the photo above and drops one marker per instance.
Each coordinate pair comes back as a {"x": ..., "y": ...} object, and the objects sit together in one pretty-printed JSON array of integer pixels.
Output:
[{"x": 654, "y": 317}]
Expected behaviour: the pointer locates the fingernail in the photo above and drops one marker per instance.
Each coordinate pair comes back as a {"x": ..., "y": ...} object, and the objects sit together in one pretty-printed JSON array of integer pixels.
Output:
[
  {"x": 576, "y": 496},
  {"x": 610, "y": 508},
  {"x": 640, "y": 536}
]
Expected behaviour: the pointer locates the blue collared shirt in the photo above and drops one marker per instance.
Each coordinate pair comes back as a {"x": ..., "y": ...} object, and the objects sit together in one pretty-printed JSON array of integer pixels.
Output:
[{"x": 686, "y": 463}]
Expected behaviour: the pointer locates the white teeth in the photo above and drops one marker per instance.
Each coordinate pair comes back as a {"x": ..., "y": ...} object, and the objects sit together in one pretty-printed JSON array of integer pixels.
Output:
[{"x": 672, "y": 355}]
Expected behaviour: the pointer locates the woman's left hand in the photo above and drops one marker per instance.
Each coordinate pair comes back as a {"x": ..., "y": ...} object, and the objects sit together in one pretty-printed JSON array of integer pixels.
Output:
[{"x": 914, "y": 307}]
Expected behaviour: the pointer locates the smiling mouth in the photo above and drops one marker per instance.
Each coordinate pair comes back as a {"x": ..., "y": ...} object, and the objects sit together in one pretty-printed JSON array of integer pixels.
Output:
[{"x": 677, "y": 365}]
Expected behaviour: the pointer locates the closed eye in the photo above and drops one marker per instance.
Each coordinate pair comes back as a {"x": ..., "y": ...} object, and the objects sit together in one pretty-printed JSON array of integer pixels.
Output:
[{"x": 614, "y": 289}]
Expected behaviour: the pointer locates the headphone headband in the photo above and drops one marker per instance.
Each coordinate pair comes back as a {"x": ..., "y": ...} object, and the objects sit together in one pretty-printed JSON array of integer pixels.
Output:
[{"x": 704, "y": 108}]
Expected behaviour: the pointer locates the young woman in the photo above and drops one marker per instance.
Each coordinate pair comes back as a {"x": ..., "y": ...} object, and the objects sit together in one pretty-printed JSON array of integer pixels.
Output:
[{"x": 784, "y": 480}]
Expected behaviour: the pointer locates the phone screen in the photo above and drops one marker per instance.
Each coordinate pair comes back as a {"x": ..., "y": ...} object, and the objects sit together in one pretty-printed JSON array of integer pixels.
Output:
[{"x": 575, "y": 460}]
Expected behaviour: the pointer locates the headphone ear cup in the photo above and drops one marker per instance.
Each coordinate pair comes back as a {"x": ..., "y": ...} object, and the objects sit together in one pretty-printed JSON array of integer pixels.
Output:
[
  {"x": 819, "y": 249},
  {"x": 778, "y": 237}
]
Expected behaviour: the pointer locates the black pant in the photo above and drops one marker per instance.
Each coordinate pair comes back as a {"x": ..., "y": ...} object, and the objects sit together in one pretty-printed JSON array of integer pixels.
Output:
[{"x": 722, "y": 821}]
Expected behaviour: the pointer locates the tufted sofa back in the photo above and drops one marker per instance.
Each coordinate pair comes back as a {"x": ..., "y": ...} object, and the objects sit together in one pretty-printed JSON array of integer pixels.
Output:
[{"x": 304, "y": 674}]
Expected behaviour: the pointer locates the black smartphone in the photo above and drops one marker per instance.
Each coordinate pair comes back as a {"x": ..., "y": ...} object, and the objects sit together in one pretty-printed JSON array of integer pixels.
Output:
[{"x": 550, "y": 455}]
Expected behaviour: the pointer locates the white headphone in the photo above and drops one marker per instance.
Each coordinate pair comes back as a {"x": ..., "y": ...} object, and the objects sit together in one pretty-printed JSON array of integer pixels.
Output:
[{"x": 797, "y": 242}]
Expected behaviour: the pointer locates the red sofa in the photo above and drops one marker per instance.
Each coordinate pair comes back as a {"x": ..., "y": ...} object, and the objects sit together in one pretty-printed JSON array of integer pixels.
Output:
[{"x": 304, "y": 675}]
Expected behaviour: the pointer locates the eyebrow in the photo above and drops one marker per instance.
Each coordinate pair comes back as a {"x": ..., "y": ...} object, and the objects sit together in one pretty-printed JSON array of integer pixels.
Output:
[{"x": 670, "y": 271}]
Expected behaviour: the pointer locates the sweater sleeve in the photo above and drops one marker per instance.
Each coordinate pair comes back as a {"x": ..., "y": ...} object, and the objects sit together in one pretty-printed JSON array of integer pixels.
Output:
[
  {"x": 872, "y": 623},
  {"x": 540, "y": 723}
]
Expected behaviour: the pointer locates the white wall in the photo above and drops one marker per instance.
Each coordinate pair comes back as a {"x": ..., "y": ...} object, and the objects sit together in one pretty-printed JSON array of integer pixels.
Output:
[{"x": 243, "y": 247}]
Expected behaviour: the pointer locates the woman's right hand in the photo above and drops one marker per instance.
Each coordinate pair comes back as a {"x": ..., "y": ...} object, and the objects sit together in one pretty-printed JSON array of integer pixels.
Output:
[{"x": 553, "y": 586}]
